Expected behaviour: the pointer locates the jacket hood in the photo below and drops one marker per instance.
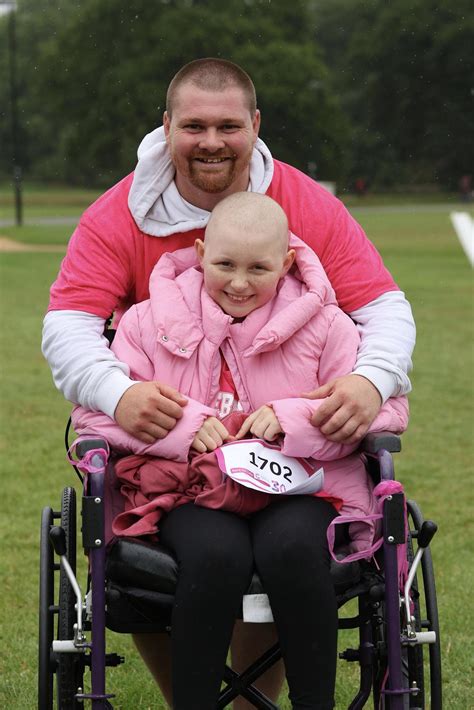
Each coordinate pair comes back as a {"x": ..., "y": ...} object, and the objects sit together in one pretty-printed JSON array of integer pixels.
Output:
[
  {"x": 184, "y": 313},
  {"x": 154, "y": 201}
]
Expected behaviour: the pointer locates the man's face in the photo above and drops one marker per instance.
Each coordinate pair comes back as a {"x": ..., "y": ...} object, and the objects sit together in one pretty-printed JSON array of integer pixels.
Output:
[{"x": 210, "y": 137}]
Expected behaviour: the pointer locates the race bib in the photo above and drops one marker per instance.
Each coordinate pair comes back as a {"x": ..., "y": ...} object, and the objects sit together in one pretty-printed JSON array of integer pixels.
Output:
[{"x": 255, "y": 463}]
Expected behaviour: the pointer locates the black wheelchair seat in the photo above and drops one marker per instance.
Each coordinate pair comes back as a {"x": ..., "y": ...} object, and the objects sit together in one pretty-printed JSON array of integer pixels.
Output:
[{"x": 142, "y": 577}]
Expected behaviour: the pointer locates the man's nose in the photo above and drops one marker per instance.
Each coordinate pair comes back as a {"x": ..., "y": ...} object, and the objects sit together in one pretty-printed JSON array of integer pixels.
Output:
[{"x": 211, "y": 141}]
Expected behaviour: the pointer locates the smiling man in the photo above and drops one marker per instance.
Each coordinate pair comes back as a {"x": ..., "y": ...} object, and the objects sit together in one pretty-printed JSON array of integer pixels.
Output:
[
  {"x": 211, "y": 160},
  {"x": 208, "y": 148}
]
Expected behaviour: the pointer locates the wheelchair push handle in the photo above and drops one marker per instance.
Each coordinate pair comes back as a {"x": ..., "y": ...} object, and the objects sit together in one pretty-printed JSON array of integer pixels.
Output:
[
  {"x": 426, "y": 533},
  {"x": 58, "y": 540}
]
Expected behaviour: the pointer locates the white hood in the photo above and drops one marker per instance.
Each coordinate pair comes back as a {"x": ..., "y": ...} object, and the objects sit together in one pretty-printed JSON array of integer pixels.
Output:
[{"x": 154, "y": 201}]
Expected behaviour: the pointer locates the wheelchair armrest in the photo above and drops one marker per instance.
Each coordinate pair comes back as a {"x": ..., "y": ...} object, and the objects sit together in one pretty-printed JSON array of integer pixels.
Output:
[
  {"x": 86, "y": 445},
  {"x": 373, "y": 442}
]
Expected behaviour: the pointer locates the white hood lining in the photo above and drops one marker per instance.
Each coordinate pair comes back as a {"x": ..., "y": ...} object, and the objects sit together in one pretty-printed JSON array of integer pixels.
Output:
[{"x": 154, "y": 201}]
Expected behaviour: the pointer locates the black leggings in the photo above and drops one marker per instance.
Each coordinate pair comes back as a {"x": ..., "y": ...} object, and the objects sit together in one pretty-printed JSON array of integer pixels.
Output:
[{"x": 216, "y": 553}]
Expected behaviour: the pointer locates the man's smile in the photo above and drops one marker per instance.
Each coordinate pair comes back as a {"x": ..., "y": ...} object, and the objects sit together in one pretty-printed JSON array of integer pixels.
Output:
[{"x": 204, "y": 160}]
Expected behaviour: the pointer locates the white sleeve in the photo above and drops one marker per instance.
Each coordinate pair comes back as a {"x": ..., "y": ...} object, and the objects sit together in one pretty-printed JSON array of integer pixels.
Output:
[
  {"x": 84, "y": 368},
  {"x": 388, "y": 333}
]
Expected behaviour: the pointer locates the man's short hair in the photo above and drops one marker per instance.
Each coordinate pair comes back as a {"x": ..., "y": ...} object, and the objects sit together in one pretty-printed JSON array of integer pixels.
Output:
[{"x": 212, "y": 74}]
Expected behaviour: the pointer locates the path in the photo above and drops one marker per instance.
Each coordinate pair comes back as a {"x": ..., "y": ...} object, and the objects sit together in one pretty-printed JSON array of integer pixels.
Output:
[{"x": 9, "y": 245}]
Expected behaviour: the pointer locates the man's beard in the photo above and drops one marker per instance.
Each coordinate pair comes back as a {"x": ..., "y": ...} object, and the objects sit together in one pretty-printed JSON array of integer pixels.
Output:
[{"x": 212, "y": 182}]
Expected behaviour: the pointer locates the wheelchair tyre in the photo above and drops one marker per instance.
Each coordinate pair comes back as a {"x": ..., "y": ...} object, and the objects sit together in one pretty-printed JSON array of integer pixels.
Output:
[
  {"x": 424, "y": 600},
  {"x": 430, "y": 606},
  {"x": 46, "y": 664},
  {"x": 412, "y": 668},
  {"x": 412, "y": 657},
  {"x": 70, "y": 666}
]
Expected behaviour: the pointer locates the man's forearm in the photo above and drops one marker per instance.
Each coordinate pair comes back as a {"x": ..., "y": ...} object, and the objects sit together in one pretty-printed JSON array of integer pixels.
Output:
[
  {"x": 388, "y": 333},
  {"x": 84, "y": 368}
]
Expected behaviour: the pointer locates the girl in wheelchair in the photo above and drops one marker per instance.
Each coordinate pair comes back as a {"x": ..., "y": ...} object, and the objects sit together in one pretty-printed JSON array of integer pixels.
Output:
[{"x": 242, "y": 325}]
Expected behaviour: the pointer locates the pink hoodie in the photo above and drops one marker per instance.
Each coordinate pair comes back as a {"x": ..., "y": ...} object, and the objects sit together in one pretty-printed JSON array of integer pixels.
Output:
[{"x": 294, "y": 343}]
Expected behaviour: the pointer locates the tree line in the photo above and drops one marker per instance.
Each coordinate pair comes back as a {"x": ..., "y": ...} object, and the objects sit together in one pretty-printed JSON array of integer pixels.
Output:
[{"x": 349, "y": 90}]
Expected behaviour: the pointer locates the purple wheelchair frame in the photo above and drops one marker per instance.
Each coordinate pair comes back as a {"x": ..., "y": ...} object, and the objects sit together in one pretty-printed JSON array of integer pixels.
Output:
[{"x": 95, "y": 488}]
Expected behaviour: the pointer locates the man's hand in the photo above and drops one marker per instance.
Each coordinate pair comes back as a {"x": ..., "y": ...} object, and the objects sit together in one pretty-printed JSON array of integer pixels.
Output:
[
  {"x": 149, "y": 410},
  {"x": 262, "y": 423},
  {"x": 211, "y": 435},
  {"x": 352, "y": 403}
]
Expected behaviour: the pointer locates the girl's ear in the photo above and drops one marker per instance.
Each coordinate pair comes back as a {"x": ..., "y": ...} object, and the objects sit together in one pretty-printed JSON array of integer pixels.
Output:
[
  {"x": 288, "y": 261},
  {"x": 199, "y": 246}
]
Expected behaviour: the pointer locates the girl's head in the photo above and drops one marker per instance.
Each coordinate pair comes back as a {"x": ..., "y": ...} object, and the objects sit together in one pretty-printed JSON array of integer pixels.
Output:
[{"x": 245, "y": 252}]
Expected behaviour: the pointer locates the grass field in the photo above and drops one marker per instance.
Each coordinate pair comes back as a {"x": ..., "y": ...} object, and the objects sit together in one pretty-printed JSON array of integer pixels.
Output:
[{"x": 420, "y": 248}]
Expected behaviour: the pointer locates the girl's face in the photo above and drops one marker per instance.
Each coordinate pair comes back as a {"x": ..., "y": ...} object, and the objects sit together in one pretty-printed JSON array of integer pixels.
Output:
[{"x": 242, "y": 271}]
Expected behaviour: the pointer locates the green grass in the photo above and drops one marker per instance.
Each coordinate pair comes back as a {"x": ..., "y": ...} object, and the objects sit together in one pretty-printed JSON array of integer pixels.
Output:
[
  {"x": 57, "y": 200},
  {"x": 424, "y": 255},
  {"x": 54, "y": 234},
  {"x": 40, "y": 200}
]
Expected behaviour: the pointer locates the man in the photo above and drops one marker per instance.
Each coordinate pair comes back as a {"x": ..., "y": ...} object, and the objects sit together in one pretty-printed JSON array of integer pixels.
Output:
[{"x": 207, "y": 149}]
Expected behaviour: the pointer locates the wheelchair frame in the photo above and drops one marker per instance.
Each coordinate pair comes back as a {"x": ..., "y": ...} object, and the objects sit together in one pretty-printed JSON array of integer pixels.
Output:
[{"x": 391, "y": 630}]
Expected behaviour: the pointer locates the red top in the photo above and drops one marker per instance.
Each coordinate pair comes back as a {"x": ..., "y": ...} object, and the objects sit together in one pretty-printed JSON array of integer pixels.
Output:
[{"x": 109, "y": 260}]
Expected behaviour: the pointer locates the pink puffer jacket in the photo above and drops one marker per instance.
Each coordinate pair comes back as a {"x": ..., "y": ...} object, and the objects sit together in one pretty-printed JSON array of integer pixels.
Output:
[{"x": 293, "y": 344}]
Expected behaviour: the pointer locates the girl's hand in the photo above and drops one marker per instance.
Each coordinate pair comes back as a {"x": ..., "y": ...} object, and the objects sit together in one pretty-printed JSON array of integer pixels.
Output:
[
  {"x": 262, "y": 423},
  {"x": 211, "y": 435}
]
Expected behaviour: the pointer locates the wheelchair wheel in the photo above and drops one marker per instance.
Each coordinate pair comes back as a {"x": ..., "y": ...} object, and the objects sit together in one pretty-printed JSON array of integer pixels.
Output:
[
  {"x": 430, "y": 606},
  {"x": 413, "y": 669},
  {"x": 70, "y": 666},
  {"x": 412, "y": 658},
  {"x": 46, "y": 664}
]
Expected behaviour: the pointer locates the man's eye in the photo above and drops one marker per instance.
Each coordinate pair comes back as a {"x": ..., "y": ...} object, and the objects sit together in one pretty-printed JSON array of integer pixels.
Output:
[
  {"x": 229, "y": 127},
  {"x": 193, "y": 127}
]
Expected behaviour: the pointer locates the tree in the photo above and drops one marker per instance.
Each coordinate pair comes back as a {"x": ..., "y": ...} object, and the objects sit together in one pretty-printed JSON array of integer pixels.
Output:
[
  {"x": 97, "y": 79},
  {"x": 405, "y": 73},
  {"x": 37, "y": 24}
]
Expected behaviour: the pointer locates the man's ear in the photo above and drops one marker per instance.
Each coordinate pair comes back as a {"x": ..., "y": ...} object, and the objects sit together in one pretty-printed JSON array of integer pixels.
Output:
[
  {"x": 199, "y": 246},
  {"x": 166, "y": 124},
  {"x": 256, "y": 124},
  {"x": 288, "y": 261}
]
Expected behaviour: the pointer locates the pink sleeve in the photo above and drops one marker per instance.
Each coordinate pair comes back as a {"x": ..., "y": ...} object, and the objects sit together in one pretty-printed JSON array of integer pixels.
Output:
[
  {"x": 339, "y": 353},
  {"x": 95, "y": 275},
  {"x": 393, "y": 416},
  {"x": 301, "y": 437},
  {"x": 352, "y": 263},
  {"x": 129, "y": 347},
  {"x": 175, "y": 446},
  {"x": 337, "y": 359}
]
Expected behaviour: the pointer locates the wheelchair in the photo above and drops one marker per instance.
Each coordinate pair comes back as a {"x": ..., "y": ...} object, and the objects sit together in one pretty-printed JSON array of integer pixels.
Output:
[{"x": 131, "y": 582}]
